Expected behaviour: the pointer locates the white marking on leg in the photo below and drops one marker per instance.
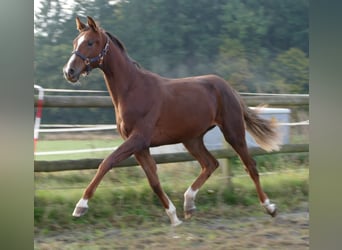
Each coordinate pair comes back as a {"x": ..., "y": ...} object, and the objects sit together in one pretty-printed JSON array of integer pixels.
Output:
[
  {"x": 171, "y": 212},
  {"x": 269, "y": 206},
  {"x": 81, "y": 203},
  {"x": 189, "y": 199}
]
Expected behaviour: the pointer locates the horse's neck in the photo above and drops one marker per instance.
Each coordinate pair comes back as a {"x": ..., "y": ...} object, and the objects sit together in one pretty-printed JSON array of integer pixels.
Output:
[{"x": 119, "y": 74}]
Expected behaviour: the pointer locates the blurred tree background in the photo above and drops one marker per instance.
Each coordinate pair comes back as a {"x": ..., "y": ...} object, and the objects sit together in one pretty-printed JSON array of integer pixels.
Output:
[{"x": 257, "y": 45}]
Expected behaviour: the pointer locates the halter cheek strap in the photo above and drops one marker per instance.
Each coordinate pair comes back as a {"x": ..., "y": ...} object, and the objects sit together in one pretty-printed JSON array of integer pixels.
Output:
[{"x": 88, "y": 61}]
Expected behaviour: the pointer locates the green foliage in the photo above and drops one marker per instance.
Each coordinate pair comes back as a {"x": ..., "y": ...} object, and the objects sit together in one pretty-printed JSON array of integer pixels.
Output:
[
  {"x": 291, "y": 71},
  {"x": 172, "y": 38},
  {"x": 257, "y": 45},
  {"x": 233, "y": 65}
]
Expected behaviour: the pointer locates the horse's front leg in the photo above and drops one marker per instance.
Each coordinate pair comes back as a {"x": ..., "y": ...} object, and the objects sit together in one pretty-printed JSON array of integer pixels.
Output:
[
  {"x": 129, "y": 147},
  {"x": 149, "y": 166}
]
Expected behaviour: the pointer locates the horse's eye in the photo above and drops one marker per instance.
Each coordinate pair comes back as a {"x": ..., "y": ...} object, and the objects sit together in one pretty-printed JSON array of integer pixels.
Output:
[{"x": 90, "y": 43}]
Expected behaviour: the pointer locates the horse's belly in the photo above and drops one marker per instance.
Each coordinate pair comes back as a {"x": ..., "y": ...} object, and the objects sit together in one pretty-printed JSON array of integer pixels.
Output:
[{"x": 178, "y": 132}]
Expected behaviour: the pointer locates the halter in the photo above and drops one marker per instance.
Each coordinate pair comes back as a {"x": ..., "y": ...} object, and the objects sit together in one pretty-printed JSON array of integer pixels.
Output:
[{"x": 99, "y": 58}]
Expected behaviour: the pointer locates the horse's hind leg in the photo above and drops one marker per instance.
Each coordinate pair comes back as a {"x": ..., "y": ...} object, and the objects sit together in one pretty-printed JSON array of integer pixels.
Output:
[
  {"x": 234, "y": 134},
  {"x": 149, "y": 166},
  {"x": 208, "y": 164}
]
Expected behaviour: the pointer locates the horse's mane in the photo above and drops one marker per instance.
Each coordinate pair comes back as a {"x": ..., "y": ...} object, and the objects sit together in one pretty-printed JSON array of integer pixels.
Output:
[
  {"x": 121, "y": 46},
  {"x": 116, "y": 41}
]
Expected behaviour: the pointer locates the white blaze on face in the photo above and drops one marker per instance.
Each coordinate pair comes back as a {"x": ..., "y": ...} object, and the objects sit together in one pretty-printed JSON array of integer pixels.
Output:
[
  {"x": 73, "y": 57},
  {"x": 80, "y": 41}
]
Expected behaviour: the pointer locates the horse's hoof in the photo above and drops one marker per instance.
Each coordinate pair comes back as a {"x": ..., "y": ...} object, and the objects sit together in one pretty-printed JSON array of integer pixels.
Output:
[
  {"x": 274, "y": 213},
  {"x": 177, "y": 223},
  {"x": 79, "y": 211},
  {"x": 188, "y": 214},
  {"x": 272, "y": 210}
]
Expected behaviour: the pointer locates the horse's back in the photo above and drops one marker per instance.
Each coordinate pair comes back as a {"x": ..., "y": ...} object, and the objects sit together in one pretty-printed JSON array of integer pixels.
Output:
[
  {"x": 190, "y": 106},
  {"x": 209, "y": 91},
  {"x": 194, "y": 94}
]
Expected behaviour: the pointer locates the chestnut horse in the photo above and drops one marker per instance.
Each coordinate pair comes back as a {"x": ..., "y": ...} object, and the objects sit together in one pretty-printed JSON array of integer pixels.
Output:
[{"x": 153, "y": 111}]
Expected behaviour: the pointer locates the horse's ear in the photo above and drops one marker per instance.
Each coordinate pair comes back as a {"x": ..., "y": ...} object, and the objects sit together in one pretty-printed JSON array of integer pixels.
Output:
[
  {"x": 80, "y": 26},
  {"x": 92, "y": 23}
]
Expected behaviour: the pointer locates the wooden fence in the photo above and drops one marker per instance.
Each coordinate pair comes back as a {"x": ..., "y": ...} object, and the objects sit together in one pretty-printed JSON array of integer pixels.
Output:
[
  {"x": 105, "y": 102},
  {"x": 63, "y": 165}
]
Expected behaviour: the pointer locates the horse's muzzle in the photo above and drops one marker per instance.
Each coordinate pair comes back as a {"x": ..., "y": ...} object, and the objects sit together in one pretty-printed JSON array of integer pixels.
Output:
[{"x": 71, "y": 74}]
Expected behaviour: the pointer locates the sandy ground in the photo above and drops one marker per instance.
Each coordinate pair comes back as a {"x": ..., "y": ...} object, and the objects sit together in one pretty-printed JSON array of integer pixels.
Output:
[{"x": 286, "y": 231}]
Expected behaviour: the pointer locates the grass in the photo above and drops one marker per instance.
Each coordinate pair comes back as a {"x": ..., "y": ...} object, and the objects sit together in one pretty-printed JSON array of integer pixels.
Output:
[
  {"x": 124, "y": 198},
  {"x": 62, "y": 145},
  {"x": 125, "y": 211}
]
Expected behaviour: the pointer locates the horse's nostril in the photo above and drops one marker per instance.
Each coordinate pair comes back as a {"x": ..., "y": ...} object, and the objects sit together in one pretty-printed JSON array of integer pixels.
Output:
[{"x": 71, "y": 72}]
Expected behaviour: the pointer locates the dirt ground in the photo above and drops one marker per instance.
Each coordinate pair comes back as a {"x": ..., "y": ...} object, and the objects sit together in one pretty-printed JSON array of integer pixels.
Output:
[{"x": 286, "y": 231}]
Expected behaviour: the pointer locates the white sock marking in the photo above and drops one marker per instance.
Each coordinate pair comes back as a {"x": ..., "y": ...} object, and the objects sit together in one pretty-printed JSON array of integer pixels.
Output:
[
  {"x": 171, "y": 212},
  {"x": 269, "y": 206},
  {"x": 82, "y": 203},
  {"x": 189, "y": 198}
]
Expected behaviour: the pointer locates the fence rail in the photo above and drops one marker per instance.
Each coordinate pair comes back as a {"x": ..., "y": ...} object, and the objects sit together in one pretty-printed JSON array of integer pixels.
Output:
[
  {"x": 106, "y": 102},
  {"x": 64, "y": 165}
]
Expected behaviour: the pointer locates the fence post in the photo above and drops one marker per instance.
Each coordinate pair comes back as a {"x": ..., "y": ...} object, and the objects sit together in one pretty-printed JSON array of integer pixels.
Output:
[
  {"x": 231, "y": 162},
  {"x": 227, "y": 164}
]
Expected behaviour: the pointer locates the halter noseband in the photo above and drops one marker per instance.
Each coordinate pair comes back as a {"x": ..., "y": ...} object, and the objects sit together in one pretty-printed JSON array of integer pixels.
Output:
[{"x": 98, "y": 58}]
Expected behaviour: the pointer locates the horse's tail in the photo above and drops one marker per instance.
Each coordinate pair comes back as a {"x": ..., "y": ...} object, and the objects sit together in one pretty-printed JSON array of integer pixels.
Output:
[{"x": 265, "y": 132}]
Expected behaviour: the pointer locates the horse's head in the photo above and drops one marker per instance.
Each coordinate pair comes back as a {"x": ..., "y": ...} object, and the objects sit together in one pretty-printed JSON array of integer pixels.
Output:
[{"x": 89, "y": 49}]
